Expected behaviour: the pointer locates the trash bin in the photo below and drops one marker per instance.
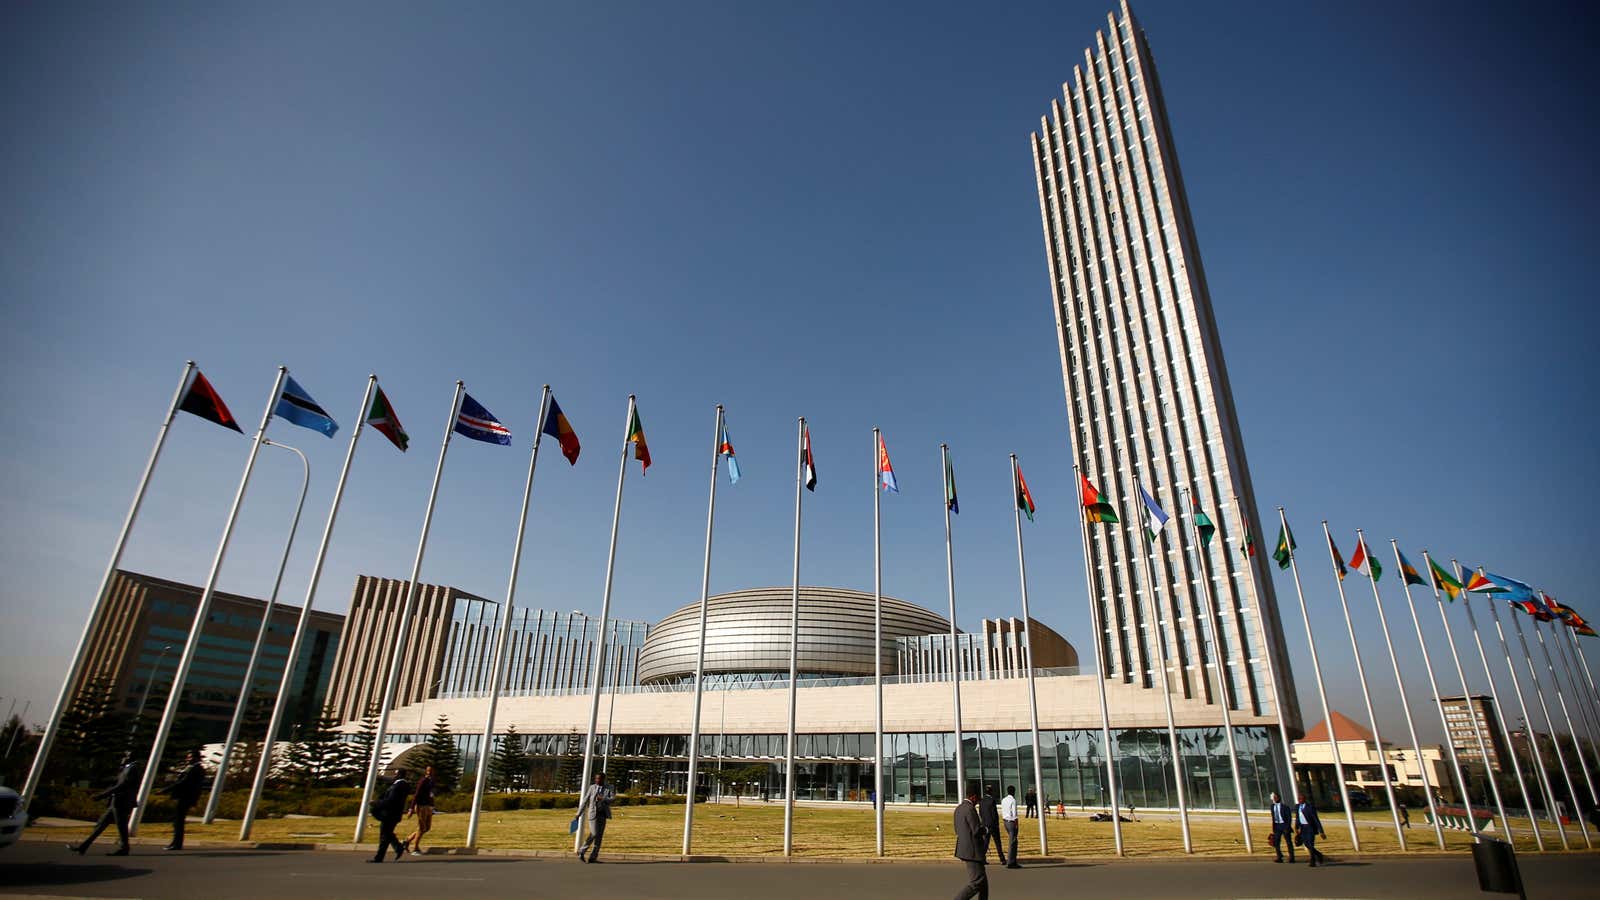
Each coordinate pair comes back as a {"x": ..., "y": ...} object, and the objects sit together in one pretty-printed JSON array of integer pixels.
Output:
[{"x": 1496, "y": 862}]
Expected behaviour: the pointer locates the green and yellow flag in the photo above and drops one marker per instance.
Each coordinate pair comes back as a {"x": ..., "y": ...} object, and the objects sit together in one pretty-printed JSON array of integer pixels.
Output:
[
  {"x": 1443, "y": 580},
  {"x": 1095, "y": 508},
  {"x": 1284, "y": 552}
]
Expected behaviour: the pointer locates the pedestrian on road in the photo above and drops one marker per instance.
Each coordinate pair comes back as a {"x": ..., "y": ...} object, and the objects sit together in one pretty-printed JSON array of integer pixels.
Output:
[
  {"x": 1405, "y": 816},
  {"x": 1308, "y": 827},
  {"x": 121, "y": 797},
  {"x": 1282, "y": 827},
  {"x": 1032, "y": 798},
  {"x": 989, "y": 816},
  {"x": 1008, "y": 816},
  {"x": 185, "y": 793},
  {"x": 597, "y": 805},
  {"x": 389, "y": 810},
  {"x": 972, "y": 847},
  {"x": 422, "y": 805}
]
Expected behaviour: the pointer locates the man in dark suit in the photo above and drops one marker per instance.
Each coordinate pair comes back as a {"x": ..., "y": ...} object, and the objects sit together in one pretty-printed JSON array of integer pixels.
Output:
[
  {"x": 989, "y": 815},
  {"x": 1309, "y": 827},
  {"x": 972, "y": 847},
  {"x": 1282, "y": 827},
  {"x": 121, "y": 797},
  {"x": 185, "y": 792},
  {"x": 1032, "y": 798},
  {"x": 389, "y": 810}
]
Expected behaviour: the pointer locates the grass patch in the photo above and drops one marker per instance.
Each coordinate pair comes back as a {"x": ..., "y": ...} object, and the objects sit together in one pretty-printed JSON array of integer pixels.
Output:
[{"x": 757, "y": 830}]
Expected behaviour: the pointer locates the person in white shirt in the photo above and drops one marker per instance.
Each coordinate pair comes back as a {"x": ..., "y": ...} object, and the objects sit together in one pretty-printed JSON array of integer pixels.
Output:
[{"x": 1008, "y": 817}]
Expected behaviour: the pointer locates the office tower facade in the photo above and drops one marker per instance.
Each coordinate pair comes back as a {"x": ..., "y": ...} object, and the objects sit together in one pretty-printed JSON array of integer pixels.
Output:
[
  {"x": 546, "y": 653},
  {"x": 1147, "y": 392},
  {"x": 133, "y": 653},
  {"x": 1470, "y": 718}
]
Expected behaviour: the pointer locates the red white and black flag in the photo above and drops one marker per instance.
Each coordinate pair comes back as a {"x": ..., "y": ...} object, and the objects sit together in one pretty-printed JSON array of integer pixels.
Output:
[{"x": 201, "y": 399}]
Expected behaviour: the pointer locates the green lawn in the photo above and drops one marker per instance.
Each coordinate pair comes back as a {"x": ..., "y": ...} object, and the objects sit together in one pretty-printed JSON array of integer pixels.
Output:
[{"x": 756, "y": 829}]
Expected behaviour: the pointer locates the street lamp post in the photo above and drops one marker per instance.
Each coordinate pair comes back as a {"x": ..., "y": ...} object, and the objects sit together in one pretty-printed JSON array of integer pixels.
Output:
[{"x": 139, "y": 716}]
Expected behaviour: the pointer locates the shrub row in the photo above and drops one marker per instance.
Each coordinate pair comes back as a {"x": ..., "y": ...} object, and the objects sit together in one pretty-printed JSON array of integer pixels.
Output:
[{"x": 78, "y": 803}]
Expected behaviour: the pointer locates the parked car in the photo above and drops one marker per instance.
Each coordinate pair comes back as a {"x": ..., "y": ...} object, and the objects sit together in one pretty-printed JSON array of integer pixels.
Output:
[
  {"x": 13, "y": 818},
  {"x": 1360, "y": 799}
]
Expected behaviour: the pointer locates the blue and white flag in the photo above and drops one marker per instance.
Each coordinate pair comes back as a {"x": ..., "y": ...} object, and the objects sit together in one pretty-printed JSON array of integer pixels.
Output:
[
  {"x": 1514, "y": 590},
  {"x": 297, "y": 407},
  {"x": 1155, "y": 519},
  {"x": 475, "y": 422}
]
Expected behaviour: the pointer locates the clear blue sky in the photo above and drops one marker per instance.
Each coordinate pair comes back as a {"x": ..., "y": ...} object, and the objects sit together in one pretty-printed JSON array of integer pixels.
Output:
[{"x": 824, "y": 210}]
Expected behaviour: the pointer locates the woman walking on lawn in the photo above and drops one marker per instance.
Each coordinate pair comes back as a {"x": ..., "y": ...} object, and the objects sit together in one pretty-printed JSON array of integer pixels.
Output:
[{"x": 422, "y": 805}]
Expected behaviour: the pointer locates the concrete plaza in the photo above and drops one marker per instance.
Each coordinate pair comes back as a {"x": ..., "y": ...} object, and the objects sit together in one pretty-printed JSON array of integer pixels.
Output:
[{"x": 35, "y": 868}]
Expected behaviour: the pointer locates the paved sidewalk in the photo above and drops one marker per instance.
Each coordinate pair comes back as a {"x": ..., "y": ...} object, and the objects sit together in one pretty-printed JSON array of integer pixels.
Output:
[{"x": 36, "y": 869}]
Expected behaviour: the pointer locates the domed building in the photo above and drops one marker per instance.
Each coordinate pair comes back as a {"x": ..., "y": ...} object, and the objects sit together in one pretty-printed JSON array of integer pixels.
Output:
[{"x": 747, "y": 636}]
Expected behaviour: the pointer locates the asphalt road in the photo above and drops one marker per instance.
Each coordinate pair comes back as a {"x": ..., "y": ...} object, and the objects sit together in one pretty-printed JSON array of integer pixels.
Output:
[{"x": 48, "y": 870}]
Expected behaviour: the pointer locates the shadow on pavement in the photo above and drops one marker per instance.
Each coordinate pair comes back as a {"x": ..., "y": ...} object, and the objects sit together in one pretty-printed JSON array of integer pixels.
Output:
[{"x": 66, "y": 873}]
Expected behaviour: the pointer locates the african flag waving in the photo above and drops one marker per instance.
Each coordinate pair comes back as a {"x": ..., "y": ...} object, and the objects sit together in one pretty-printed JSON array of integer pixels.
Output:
[{"x": 1095, "y": 507}]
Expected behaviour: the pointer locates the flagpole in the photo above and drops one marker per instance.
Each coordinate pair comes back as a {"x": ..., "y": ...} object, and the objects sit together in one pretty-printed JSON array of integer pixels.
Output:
[
  {"x": 955, "y": 651},
  {"x": 246, "y": 686},
  {"x": 1542, "y": 779},
  {"x": 1561, "y": 700},
  {"x": 202, "y": 608},
  {"x": 1545, "y": 784},
  {"x": 1027, "y": 654},
  {"x": 413, "y": 589},
  {"x": 74, "y": 669},
  {"x": 605, "y": 613},
  {"x": 1159, "y": 638},
  {"x": 1582, "y": 697},
  {"x": 1100, "y": 681},
  {"x": 794, "y": 642},
  {"x": 1405, "y": 704},
  {"x": 700, "y": 655},
  {"x": 1277, "y": 694},
  {"x": 1366, "y": 693},
  {"x": 1222, "y": 678},
  {"x": 877, "y": 632},
  {"x": 1550, "y": 722},
  {"x": 497, "y": 663},
  {"x": 1433, "y": 685},
  {"x": 1577, "y": 651},
  {"x": 287, "y": 682},
  {"x": 1322, "y": 690}
]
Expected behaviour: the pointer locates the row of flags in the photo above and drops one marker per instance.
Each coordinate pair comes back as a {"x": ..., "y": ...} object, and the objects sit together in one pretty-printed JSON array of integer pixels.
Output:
[
  {"x": 1521, "y": 595},
  {"x": 296, "y": 405}
]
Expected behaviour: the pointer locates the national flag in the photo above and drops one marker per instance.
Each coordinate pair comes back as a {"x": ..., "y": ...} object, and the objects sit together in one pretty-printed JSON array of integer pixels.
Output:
[
  {"x": 1581, "y": 626},
  {"x": 1202, "y": 524},
  {"x": 295, "y": 405},
  {"x": 201, "y": 399},
  {"x": 1283, "y": 553},
  {"x": 556, "y": 425},
  {"x": 381, "y": 416},
  {"x": 725, "y": 448},
  {"x": 1155, "y": 517},
  {"x": 641, "y": 450},
  {"x": 1478, "y": 584},
  {"x": 1024, "y": 496},
  {"x": 1095, "y": 508},
  {"x": 808, "y": 466},
  {"x": 1443, "y": 580},
  {"x": 1338, "y": 560},
  {"x": 950, "y": 501},
  {"x": 1534, "y": 608},
  {"x": 1364, "y": 563},
  {"x": 885, "y": 469},
  {"x": 1249, "y": 548},
  {"x": 1408, "y": 572},
  {"x": 475, "y": 422},
  {"x": 1513, "y": 589},
  {"x": 1564, "y": 613}
]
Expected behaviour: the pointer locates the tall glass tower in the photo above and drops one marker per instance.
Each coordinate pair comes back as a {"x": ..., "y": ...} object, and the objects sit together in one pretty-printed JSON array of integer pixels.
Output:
[{"x": 1148, "y": 400}]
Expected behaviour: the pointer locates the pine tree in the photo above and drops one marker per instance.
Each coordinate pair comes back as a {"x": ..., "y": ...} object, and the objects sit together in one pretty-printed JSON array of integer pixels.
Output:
[
  {"x": 571, "y": 768},
  {"x": 441, "y": 753},
  {"x": 316, "y": 759},
  {"x": 358, "y": 752},
  {"x": 508, "y": 768}
]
